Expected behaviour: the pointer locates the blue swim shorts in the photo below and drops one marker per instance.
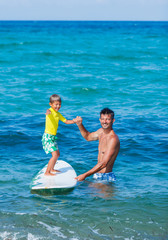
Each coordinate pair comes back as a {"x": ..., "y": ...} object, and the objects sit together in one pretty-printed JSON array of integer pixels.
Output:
[{"x": 108, "y": 177}]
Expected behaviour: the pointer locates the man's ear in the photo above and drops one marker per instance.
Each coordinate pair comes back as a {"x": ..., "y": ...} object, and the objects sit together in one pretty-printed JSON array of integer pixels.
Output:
[{"x": 113, "y": 120}]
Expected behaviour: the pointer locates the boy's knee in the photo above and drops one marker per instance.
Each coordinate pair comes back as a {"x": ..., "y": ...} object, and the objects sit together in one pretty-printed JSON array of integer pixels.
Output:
[{"x": 56, "y": 154}]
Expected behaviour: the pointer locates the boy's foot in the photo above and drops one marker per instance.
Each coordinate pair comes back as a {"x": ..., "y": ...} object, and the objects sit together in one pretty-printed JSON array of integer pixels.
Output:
[
  {"x": 55, "y": 171},
  {"x": 49, "y": 174}
]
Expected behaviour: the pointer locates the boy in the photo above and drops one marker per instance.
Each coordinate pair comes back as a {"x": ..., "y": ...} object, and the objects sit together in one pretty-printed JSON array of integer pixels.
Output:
[{"x": 49, "y": 136}]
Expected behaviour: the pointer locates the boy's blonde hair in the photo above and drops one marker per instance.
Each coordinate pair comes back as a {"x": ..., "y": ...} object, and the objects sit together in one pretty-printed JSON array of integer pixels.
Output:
[{"x": 54, "y": 98}]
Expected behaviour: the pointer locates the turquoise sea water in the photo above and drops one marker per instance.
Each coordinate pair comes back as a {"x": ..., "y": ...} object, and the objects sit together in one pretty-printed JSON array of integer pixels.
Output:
[{"x": 92, "y": 65}]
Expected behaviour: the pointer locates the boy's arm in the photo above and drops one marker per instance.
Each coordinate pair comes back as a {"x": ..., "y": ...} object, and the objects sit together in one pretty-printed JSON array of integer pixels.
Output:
[
  {"x": 70, "y": 121},
  {"x": 67, "y": 121}
]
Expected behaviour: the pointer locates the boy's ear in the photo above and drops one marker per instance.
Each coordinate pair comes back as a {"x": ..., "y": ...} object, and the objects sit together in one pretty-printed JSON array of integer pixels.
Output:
[
  {"x": 50, "y": 104},
  {"x": 113, "y": 120}
]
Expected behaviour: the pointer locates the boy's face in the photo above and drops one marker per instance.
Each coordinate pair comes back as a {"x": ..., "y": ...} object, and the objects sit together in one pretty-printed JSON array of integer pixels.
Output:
[{"x": 56, "y": 105}]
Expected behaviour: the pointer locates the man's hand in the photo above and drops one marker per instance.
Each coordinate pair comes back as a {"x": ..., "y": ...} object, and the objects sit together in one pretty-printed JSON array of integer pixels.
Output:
[
  {"x": 74, "y": 120},
  {"x": 80, "y": 177},
  {"x": 48, "y": 112},
  {"x": 78, "y": 120}
]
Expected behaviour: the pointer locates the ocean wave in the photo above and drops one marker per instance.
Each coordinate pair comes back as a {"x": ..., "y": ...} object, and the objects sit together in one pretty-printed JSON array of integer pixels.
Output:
[{"x": 91, "y": 65}]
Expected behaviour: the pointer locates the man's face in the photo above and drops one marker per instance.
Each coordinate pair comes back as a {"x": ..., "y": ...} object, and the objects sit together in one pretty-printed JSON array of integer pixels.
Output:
[{"x": 106, "y": 121}]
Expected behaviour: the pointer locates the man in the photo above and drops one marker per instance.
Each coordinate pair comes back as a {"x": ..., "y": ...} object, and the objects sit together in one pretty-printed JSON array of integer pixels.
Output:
[{"x": 109, "y": 146}]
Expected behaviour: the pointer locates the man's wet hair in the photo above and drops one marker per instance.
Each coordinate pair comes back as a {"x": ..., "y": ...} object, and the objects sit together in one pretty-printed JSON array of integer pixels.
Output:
[{"x": 107, "y": 111}]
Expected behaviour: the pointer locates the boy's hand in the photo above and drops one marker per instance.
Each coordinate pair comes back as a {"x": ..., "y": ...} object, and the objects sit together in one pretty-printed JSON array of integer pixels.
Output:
[
  {"x": 78, "y": 120},
  {"x": 74, "y": 120},
  {"x": 48, "y": 112}
]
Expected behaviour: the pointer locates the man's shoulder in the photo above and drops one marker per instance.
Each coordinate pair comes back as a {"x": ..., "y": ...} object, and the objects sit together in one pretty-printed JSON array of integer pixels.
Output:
[
  {"x": 99, "y": 131},
  {"x": 114, "y": 138}
]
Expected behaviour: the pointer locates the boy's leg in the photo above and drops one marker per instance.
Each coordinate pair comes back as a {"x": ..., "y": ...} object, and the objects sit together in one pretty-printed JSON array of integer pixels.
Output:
[
  {"x": 52, "y": 162},
  {"x": 56, "y": 154}
]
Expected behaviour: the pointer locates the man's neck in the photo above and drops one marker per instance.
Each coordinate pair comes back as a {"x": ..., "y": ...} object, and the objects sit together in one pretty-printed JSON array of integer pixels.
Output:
[{"x": 107, "y": 131}]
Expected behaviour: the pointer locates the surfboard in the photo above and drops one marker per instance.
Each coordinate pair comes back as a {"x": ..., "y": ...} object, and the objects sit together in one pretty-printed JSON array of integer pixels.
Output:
[{"x": 61, "y": 182}]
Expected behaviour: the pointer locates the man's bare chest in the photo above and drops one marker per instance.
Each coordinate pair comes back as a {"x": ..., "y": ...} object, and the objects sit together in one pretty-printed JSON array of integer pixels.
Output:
[{"x": 103, "y": 143}]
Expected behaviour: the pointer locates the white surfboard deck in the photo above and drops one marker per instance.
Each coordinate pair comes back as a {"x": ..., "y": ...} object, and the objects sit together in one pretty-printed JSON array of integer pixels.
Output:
[{"x": 63, "y": 180}]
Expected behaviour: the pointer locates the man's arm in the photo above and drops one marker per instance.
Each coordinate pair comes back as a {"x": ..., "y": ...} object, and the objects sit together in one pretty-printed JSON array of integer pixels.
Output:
[
  {"x": 111, "y": 150},
  {"x": 87, "y": 135}
]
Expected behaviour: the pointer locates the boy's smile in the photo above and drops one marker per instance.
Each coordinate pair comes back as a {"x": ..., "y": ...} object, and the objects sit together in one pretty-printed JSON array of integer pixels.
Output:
[{"x": 56, "y": 105}]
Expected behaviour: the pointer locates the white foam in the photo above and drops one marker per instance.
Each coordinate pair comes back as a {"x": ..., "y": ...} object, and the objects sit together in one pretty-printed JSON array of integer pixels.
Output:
[
  {"x": 20, "y": 213},
  {"x": 32, "y": 237},
  {"x": 63, "y": 218},
  {"x": 72, "y": 232},
  {"x": 7, "y": 235},
  {"x": 96, "y": 231},
  {"x": 55, "y": 230},
  {"x": 4, "y": 235}
]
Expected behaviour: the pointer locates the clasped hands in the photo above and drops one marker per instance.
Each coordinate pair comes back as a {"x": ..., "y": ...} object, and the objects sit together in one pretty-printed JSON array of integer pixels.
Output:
[{"x": 78, "y": 120}]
